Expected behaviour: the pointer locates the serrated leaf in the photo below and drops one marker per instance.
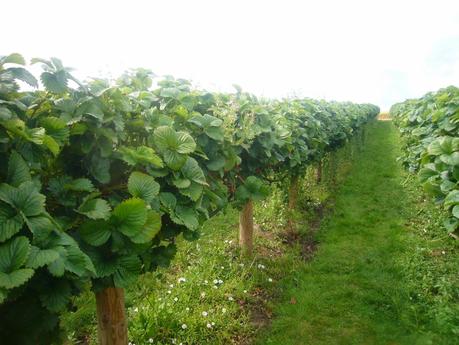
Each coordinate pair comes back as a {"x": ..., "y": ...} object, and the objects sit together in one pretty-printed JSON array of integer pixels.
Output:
[
  {"x": 24, "y": 75},
  {"x": 13, "y": 254},
  {"x": 40, "y": 226},
  {"x": 41, "y": 257},
  {"x": 57, "y": 267},
  {"x": 143, "y": 186},
  {"x": 127, "y": 272},
  {"x": 10, "y": 222},
  {"x": 192, "y": 171},
  {"x": 13, "y": 58},
  {"x": 95, "y": 209},
  {"x": 150, "y": 229},
  {"x": 25, "y": 198},
  {"x": 181, "y": 183},
  {"x": 78, "y": 262},
  {"x": 57, "y": 296},
  {"x": 194, "y": 191},
  {"x": 51, "y": 144},
  {"x": 18, "y": 170},
  {"x": 174, "y": 160},
  {"x": 140, "y": 155},
  {"x": 168, "y": 200},
  {"x": 130, "y": 216},
  {"x": 100, "y": 169},
  {"x": 452, "y": 199},
  {"x": 15, "y": 278},
  {"x": 95, "y": 232},
  {"x": 54, "y": 82},
  {"x": 187, "y": 217},
  {"x": 80, "y": 185}
]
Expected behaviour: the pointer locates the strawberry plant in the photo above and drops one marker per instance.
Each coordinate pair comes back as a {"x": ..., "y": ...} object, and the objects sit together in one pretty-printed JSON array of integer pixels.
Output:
[{"x": 99, "y": 178}]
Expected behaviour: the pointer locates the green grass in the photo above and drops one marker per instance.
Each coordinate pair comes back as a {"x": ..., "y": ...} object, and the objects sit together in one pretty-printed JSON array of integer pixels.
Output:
[{"x": 359, "y": 287}]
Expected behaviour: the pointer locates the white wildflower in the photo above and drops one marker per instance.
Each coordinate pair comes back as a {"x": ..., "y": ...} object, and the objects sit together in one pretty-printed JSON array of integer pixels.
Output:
[
  {"x": 223, "y": 310},
  {"x": 209, "y": 325},
  {"x": 181, "y": 280},
  {"x": 184, "y": 326},
  {"x": 204, "y": 313}
]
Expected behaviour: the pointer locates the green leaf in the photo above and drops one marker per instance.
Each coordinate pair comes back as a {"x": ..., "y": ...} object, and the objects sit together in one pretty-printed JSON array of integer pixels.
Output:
[
  {"x": 104, "y": 266},
  {"x": 173, "y": 145},
  {"x": 13, "y": 58},
  {"x": 455, "y": 211},
  {"x": 95, "y": 232},
  {"x": 55, "y": 82},
  {"x": 194, "y": 191},
  {"x": 150, "y": 229},
  {"x": 181, "y": 183},
  {"x": 252, "y": 189},
  {"x": 216, "y": 164},
  {"x": 140, "y": 155},
  {"x": 187, "y": 217},
  {"x": 128, "y": 271},
  {"x": 78, "y": 262},
  {"x": 14, "y": 254},
  {"x": 57, "y": 267},
  {"x": 40, "y": 226},
  {"x": 452, "y": 199},
  {"x": 95, "y": 209},
  {"x": 130, "y": 216},
  {"x": 186, "y": 143},
  {"x": 15, "y": 278},
  {"x": 450, "y": 159},
  {"x": 57, "y": 296},
  {"x": 100, "y": 169},
  {"x": 80, "y": 185},
  {"x": 143, "y": 186},
  {"x": 192, "y": 171},
  {"x": 56, "y": 128},
  {"x": 425, "y": 173},
  {"x": 168, "y": 200},
  {"x": 174, "y": 160},
  {"x": 18, "y": 170},
  {"x": 10, "y": 222},
  {"x": 51, "y": 144},
  {"x": 451, "y": 224},
  {"x": 28, "y": 200},
  {"x": 24, "y": 75},
  {"x": 41, "y": 257}
]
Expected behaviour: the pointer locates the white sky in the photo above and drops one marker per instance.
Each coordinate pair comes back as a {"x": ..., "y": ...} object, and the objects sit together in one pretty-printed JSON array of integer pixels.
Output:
[{"x": 363, "y": 51}]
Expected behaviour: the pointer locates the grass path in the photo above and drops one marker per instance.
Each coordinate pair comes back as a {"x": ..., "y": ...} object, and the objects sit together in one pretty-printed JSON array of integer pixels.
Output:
[{"x": 352, "y": 292}]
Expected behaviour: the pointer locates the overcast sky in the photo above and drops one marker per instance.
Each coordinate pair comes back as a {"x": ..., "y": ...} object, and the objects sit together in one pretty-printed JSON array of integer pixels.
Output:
[{"x": 363, "y": 51}]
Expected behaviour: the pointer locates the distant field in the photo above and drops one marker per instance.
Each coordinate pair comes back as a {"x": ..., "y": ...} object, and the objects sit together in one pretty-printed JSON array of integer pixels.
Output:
[{"x": 384, "y": 117}]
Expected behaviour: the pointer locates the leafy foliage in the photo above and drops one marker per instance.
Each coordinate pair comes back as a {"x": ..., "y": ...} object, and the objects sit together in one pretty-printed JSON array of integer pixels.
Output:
[
  {"x": 103, "y": 176},
  {"x": 430, "y": 127}
]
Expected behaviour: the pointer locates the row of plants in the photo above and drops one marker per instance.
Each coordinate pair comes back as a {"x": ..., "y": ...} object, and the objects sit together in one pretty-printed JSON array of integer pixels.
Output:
[
  {"x": 429, "y": 127},
  {"x": 99, "y": 178}
]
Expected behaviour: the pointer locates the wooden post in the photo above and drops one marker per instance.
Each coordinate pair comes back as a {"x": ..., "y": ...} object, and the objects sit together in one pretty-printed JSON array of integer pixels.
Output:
[
  {"x": 292, "y": 201},
  {"x": 333, "y": 167},
  {"x": 111, "y": 317},
  {"x": 319, "y": 172},
  {"x": 246, "y": 228},
  {"x": 293, "y": 192}
]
